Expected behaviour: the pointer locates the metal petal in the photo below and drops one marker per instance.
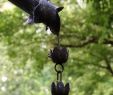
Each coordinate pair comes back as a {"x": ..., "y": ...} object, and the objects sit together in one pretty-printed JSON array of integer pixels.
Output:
[
  {"x": 53, "y": 89},
  {"x": 67, "y": 89},
  {"x": 60, "y": 88}
]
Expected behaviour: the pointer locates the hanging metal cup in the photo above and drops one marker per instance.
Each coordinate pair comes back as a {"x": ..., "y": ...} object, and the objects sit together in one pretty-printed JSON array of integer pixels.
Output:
[
  {"x": 60, "y": 89},
  {"x": 59, "y": 55}
]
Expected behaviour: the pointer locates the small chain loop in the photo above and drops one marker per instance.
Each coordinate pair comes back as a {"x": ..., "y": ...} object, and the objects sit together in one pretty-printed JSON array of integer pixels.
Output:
[{"x": 59, "y": 71}]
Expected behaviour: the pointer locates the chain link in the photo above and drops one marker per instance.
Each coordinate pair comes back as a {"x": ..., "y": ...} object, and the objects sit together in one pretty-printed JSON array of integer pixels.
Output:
[{"x": 59, "y": 68}]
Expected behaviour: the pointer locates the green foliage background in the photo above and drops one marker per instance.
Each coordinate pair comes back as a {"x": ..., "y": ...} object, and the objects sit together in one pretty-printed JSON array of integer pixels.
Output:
[{"x": 86, "y": 30}]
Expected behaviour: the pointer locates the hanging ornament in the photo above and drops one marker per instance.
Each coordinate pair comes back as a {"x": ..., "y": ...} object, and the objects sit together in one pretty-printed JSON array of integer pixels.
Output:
[
  {"x": 59, "y": 56},
  {"x": 60, "y": 89}
]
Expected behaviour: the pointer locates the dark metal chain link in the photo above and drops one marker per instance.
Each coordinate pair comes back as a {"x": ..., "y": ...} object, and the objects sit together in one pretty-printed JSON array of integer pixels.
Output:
[
  {"x": 59, "y": 68},
  {"x": 58, "y": 39}
]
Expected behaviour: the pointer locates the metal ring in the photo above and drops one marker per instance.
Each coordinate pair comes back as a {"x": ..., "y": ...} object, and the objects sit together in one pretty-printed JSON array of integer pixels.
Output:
[{"x": 61, "y": 70}]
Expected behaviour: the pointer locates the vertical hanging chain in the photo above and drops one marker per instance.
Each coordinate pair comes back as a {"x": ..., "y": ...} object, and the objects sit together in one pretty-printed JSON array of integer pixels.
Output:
[
  {"x": 59, "y": 76},
  {"x": 58, "y": 39},
  {"x": 59, "y": 71}
]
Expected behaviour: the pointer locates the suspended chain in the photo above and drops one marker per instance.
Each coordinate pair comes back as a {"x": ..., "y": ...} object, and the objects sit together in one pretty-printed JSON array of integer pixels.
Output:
[{"x": 59, "y": 68}]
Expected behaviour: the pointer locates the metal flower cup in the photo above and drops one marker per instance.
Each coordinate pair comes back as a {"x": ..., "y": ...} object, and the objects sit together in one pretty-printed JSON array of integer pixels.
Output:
[{"x": 60, "y": 89}]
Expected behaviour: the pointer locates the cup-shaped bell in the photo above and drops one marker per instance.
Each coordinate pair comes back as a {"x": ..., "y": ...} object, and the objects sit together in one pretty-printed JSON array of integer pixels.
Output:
[
  {"x": 60, "y": 89},
  {"x": 59, "y": 55}
]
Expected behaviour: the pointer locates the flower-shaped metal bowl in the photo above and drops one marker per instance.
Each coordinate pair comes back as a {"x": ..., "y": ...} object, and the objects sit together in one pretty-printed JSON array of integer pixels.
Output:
[
  {"x": 59, "y": 55},
  {"x": 60, "y": 89}
]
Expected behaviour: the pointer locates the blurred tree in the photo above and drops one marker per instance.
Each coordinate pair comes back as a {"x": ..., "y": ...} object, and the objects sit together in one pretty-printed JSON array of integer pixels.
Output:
[{"x": 87, "y": 30}]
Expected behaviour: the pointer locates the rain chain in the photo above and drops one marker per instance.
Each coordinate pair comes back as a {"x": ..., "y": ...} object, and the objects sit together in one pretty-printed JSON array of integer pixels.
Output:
[{"x": 59, "y": 56}]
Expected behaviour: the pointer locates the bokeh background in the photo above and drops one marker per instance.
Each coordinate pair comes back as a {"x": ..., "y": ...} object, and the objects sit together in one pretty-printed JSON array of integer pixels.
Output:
[{"x": 87, "y": 32}]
